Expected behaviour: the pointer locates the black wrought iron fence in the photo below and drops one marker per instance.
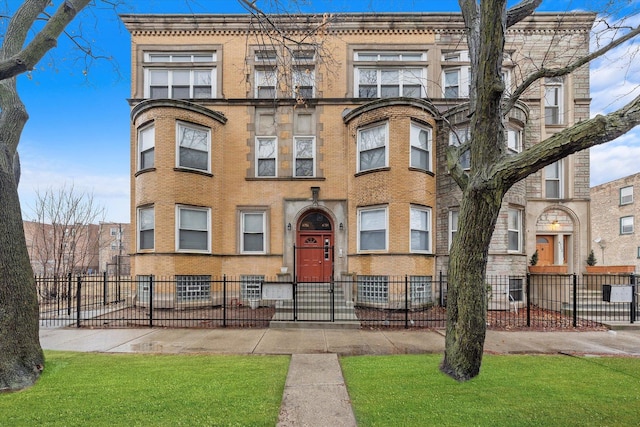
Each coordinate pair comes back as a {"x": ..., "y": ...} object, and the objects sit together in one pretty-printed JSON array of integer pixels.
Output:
[{"x": 543, "y": 302}]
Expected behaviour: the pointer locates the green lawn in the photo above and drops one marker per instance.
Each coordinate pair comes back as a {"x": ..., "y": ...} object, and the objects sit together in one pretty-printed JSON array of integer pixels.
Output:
[
  {"x": 510, "y": 391},
  {"x": 84, "y": 389}
]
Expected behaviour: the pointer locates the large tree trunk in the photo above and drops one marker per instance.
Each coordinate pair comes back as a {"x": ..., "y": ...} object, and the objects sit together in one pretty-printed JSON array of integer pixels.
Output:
[
  {"x": 466, "y": 289},
  {"x": 21, "y": 357}
]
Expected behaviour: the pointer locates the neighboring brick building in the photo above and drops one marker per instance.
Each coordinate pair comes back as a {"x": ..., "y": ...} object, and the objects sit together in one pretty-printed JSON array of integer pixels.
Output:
[
  {"x": 242, "y": 151},
  {"x": 614, "y": 209},
  {"x": 60, "y": 249},
  {"x": 114, "y": 243}
]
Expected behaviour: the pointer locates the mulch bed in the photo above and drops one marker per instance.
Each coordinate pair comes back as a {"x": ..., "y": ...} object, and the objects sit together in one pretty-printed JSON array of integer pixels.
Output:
[{"x": 370, "y": 318}]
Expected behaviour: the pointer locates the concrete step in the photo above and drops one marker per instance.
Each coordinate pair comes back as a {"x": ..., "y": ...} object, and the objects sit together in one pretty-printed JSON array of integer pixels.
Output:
[{"x": 338, "y": 324}]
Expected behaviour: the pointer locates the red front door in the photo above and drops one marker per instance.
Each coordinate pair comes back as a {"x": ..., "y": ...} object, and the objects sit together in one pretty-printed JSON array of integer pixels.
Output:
[{"x": 314, "y": 249}]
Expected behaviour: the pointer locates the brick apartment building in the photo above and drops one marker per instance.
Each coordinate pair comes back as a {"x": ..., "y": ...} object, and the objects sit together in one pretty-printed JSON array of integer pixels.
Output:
[
  {"x": 114, "y": 240},
  {"x": 249, "y": 159},
  {"x": 613, "y": 211}
]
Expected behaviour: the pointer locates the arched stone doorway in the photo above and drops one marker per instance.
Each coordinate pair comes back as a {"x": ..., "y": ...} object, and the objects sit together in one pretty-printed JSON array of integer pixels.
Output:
[{"x": 314, "y": 252}]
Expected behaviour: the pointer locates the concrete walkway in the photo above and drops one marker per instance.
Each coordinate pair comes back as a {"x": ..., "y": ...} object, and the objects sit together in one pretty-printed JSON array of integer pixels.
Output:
[{"x": 315, "y": 393}]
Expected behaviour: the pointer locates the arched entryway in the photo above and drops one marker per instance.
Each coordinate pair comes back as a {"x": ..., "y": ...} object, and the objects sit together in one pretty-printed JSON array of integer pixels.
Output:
[{"x": 314, "y": 248}]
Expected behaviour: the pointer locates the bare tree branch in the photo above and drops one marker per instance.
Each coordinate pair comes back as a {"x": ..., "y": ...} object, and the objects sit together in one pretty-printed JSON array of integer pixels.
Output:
[
  {"x": 557, "y": 72},
  {"x": 521, "y": 10},
  {"x": 16, "y": 60}
]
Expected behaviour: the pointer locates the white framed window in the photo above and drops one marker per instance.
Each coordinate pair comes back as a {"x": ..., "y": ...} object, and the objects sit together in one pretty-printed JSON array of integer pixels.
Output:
[
  {"x": 456, "y": 79},
  {"x": 372, "y": 147},
  {"x": 402, "y": 74},
  {"x": 553, "y": 180},
  {"x": 420, "y": 147},
  {"x": 193, "y": 229},
  {"x": 305, "y": 149},
  {"x": 514, "y": 139},
  {"x": 146, "y": 228},
  {"x": 113, "y": 231},
  {"x": 553, "y": 101},
  {"x": 253, "y": 232},
  {"x": 420, "y": 229},
  {"x": 146, "y": 147},
  {"x": 457, "y": 137},
  {"x": 193, "y": 147},
  {"x": 514, "y": 230},
  {"x": 193, "y": 288},
  {"x": 266, "y": 156},
  {"x": 304, "y": 82},
  {"x": 266, "y": 81},
  {"x": 251, "y": 286},
  {"x": 143, "y": 287},
  {"x": 372, "y": 229},
  {"x": 180, "y": 75},
  {"x": 373, "y": 289},
  {"x": 420, "y": 289},
  {"x": 453, "y": 225},
  {"x": 626, "y": 225},
  {"x": 626, "y": 195}
]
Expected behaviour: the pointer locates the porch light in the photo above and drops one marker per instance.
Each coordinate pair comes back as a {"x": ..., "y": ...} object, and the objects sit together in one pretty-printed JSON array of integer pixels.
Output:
[
  {"x": 341, "y": 227},
  {"x": 289, "y": 227}
]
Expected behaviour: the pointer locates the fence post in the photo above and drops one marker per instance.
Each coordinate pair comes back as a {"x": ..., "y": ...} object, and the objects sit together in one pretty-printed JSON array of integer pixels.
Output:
[
  {"x": 78, "y": 300},
  {"x": 440, "y": 286},
  {"x": 634, "y": 299},
  {"x": 406, "y": 302},
  {"x": 105, "y": 289},
  {"x": 151, "y": 301},
  {"x": 69, "y": 298},
  {"x": 528, "y": 291},
  {"x": 575, "y": 300},
  {"x": 224, "y": 300}
]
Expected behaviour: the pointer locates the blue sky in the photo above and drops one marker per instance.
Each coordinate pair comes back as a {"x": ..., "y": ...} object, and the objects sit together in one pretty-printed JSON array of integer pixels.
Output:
[{"x": 78, "y": 130}]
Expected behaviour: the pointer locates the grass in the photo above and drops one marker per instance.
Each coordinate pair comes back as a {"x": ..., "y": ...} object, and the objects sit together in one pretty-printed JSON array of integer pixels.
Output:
[
  {"x": 85, "y": 389},
  {"x": 510, "y": 391},
  {"x": 81, "y": 389}
]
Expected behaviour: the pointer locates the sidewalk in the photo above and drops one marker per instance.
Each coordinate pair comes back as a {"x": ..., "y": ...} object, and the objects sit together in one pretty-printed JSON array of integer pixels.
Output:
[
  {"x": 315, "y": 393},
  {"x": 344, "y": 342}
]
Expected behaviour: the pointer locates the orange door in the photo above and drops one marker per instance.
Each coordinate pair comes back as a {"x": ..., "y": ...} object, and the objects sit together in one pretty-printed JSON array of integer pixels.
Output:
[{"x": 544, "y": 246}]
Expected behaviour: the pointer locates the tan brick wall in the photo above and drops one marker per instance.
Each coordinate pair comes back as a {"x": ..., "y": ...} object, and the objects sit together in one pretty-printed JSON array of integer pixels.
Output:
[
  {"x": 232, "y": 185},
  {"x": 606, "y": 211}
]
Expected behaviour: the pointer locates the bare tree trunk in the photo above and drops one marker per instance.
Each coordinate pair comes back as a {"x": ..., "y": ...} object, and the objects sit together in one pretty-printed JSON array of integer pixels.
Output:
[
  {"x": 21, "y": 358},
  {"x": 466, "y": 289}
]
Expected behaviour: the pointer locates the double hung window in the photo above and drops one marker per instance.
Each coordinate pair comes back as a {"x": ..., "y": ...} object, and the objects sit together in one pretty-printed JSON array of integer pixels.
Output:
[
  {"x": 372, "y": 223},
  {"x": 304, "y": 152},
  {"x": 146, "y": 228},
  {"x": 193, "y": 147},
  {"x": 626, "y": 225},
  {"x": 420, "y": 147},
  {"x": 266, "y": 156},
  {"x": 458, "y": 137},
  {"x": 420, "y": 229},
  {"x": 553, "y": 101},
  {"x": 193, "y": 229},
  {"x": 553, "y": 184},
  {"x": 146, "y": 147},
  {"x": 453, "y": 226},
  {"x": 514, "y": 218},
  {"x": 626, "y": 195},
  {"x": 372, "y": 147},
  {"x": 253, "y": 232}
]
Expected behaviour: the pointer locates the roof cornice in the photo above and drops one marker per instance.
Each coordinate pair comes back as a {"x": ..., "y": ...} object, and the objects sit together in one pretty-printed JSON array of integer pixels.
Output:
[{"x": 342, "y": 23}]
